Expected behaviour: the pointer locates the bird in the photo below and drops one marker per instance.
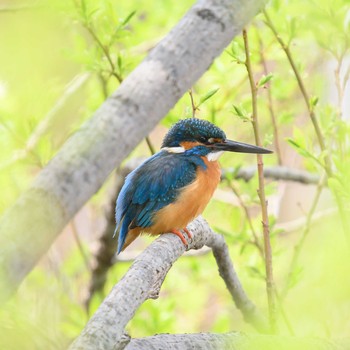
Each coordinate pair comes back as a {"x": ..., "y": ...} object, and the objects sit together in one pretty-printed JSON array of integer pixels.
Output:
[{"x": 171, "y": 188}]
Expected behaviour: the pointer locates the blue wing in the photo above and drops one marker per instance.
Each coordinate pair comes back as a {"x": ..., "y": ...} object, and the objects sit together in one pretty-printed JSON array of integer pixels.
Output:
[{"x": 150, "y": 187}]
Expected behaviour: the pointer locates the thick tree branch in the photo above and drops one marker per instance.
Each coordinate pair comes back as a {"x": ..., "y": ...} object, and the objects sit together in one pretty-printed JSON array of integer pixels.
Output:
[
  {"x": 233, "y": 341},
  {"x": 128, "y": 115},
  {"x": 143, "y": 281}
]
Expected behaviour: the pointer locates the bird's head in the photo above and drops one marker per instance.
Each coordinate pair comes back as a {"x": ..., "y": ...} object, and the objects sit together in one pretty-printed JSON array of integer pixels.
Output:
[{"x": 207, "y": 138}]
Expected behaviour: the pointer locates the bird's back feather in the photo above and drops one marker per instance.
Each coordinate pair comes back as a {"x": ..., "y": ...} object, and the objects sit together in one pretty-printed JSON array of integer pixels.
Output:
[{"x": 152, "y": 186}]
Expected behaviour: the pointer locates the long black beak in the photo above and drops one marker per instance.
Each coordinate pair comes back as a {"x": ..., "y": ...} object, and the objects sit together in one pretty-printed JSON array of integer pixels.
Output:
[{"x": 234, "y": 146}]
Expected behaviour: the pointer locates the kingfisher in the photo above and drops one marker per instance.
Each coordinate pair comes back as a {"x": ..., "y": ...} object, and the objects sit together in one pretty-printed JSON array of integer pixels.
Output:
[{"x": 174, "y": 186}]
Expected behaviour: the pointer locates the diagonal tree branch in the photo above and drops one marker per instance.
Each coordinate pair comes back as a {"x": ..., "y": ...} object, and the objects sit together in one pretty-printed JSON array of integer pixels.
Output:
[
  {"x": 88, "y": 157},
  {"x": 143, "y": 281},
  {"x": 234, "y": 341}
]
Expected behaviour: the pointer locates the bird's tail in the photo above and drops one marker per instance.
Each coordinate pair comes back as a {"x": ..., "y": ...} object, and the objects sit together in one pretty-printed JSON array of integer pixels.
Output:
[
  {"x": 130, "y": 237},
  {"x": 125, "y": 236}
]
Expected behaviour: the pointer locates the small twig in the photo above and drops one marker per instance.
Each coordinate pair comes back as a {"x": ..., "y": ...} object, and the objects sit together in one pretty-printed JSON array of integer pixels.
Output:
[
  {"x": 284, "y": 314},
  {"x": 261, "y": 192},
  {"x": 338, "y": 84},
  {"x": 270, "y": 104},
  {"x": 150, "y": 145},
  {"x": 227, "y": 271},
  {"x": 105, "y": 50},
  {"x": 194, "y": 107},
  {"x": 298, "y": 247},
  {"x": 312, "y": 115},
  {"x": 256, "y": 241},
  {"x": 80, "y": 246},
  {"x": 346, "y": 78},
  {"x": 103, "y": 82}
]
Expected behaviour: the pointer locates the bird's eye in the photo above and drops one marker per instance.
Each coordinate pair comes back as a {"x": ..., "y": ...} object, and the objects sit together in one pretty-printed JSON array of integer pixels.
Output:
[{"x": 202, "y": 139}]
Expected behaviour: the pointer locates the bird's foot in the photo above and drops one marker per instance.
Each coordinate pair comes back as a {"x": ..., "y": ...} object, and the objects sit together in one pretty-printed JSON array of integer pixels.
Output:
[
  {"x": 188, "y": 233},
  {"x": 181, "y": 236}
]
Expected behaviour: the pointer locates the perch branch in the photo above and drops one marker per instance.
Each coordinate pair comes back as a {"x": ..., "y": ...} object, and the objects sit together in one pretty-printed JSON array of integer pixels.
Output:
[{"x": 143, "y": 280}]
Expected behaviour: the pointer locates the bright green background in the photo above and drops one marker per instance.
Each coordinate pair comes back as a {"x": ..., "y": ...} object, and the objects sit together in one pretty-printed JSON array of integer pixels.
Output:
[{"x": 46, "y": 49}]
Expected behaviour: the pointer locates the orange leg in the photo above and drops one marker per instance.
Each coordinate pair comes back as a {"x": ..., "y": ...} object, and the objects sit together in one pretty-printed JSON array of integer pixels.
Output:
[
  {"x": 188, "y": 233},
  {"x": 180, "y": 235}
]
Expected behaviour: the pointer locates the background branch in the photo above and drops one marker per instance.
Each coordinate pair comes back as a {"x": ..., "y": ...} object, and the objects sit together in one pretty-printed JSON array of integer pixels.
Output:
[{"x": 274, "y": 173}]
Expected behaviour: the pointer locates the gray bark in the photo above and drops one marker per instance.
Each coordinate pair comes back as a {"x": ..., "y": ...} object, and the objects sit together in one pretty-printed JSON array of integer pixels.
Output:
[
  {"x": 143, "y": 280},
  {"x": 233, "y": 341},
  {"x": 276, "y": 173},
  {"x": 88, "y": 157}
]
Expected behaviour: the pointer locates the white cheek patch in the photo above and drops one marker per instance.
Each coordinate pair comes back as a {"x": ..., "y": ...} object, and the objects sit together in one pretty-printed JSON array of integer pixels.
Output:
[
  {"x": 174, "y": 149},
  {"x": 213, "y": 156}
]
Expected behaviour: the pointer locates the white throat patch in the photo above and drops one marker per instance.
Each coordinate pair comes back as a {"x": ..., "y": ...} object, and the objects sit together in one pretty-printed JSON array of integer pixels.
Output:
[
  {"x": 174, "y": 149},
  {"x": 213, "y": 156}
]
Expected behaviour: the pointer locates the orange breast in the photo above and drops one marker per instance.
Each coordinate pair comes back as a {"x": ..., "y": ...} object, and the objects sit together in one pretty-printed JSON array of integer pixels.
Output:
[{"x": 191, "y": 202}]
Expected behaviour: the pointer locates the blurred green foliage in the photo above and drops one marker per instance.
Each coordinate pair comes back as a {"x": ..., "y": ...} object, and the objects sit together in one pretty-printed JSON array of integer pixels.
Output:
[{"x": 61, "y": 59}]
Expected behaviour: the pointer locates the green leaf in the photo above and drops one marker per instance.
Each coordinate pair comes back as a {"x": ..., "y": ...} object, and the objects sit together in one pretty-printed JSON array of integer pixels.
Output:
[
  {"x": 255, "y": 272},
  {"x": 241, "y": 113},
  {"x": 127, "y": 19},
  {"x": 265, "y": 79},
  {"x": 285, "y": 117},
  {"x": 207, "y": 96},
  {"x": 120, "y": 63},
  {"x": 299, "y": 137},
  {"x": 313, "y": 102},
  {"x": 268, "y": 139},
  {"x": 236, "y": 52},
  {"x": 303, "y": 151},
  {"x": 238, "y": 111}
]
